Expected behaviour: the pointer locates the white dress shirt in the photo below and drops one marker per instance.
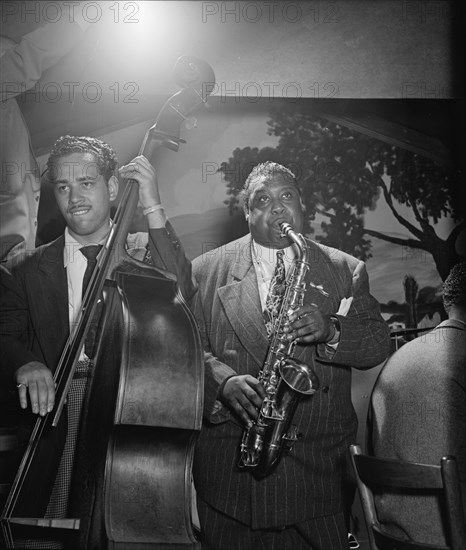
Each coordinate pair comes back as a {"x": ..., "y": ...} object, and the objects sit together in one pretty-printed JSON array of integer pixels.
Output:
[{"x": 75, "y": 264}]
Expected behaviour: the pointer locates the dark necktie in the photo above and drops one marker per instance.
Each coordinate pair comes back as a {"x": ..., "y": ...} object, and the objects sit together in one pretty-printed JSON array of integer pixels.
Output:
[
  {"x": 90, "y": 252},
  {"x": 275, "y": 294}
]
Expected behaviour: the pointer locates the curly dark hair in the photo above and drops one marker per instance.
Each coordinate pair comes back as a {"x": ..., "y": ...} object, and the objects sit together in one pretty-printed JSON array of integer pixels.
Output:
[
  {"x": 105, "y": 156},
  {"x": 454, "y": 287},
  {"x": 266, "y": 169}
]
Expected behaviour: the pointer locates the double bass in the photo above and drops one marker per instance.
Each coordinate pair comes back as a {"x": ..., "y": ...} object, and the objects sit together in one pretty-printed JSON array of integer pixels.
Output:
[{"x": 131, "y": 483}]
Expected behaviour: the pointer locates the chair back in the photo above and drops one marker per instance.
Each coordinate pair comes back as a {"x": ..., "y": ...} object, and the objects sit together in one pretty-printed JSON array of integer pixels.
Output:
[{"x": 374, "y": 472}]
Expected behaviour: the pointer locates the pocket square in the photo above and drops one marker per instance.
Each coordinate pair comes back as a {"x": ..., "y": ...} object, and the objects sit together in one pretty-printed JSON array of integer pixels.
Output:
[{"x": 345, "y": 304}]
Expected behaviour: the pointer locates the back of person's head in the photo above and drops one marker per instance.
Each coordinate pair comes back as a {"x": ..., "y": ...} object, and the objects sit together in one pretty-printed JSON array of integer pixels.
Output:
[
  {"x": 6, "y": 43},
  {"x": 454, "y": 288},
  {"x": 104, "y": 156},
  {"x": 263, "y": 172}
]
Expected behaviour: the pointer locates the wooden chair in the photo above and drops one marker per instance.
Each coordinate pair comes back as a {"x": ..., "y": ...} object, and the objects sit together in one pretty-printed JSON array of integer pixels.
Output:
[{"x": 376, "y": 472}]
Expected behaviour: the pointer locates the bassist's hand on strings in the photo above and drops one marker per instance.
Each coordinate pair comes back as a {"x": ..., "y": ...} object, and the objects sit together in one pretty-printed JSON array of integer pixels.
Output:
[
  {"x": 142, "y": 171},
  {"x": 35, "y": 380}
]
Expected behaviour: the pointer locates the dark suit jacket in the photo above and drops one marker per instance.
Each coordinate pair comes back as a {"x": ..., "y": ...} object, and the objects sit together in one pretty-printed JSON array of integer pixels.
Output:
[
  {"x": 34, "y": 321},
  {"x": 308, "y": 482},
  {"x": 419, "y": 415}
]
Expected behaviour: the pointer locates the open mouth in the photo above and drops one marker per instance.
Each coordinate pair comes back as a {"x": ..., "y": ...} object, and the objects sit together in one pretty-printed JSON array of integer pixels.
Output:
[{"x": 81, "y": 211}]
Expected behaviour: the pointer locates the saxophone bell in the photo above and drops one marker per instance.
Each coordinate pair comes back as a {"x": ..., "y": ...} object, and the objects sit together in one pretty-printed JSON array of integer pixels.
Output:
[{"x": 298, "y": 376}]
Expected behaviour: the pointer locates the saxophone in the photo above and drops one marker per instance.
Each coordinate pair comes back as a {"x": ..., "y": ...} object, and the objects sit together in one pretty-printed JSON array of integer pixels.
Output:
[{"x": 285, "y": 379}]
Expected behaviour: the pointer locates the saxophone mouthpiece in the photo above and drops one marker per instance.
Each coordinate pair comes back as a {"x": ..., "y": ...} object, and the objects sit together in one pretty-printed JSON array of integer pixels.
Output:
[{"x": 285, "y": 229}]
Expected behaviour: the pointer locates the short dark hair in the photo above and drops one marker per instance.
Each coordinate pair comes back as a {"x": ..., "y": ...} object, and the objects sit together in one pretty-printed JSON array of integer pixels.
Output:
[
  {"x": 105, "y": 156},
  {"x": 266, "y": 169},
  {"x": 454, "y": 287}
]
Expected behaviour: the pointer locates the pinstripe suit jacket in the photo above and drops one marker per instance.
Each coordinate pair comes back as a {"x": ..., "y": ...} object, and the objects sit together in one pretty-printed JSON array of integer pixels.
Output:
[{"x": 308, "y": 481}]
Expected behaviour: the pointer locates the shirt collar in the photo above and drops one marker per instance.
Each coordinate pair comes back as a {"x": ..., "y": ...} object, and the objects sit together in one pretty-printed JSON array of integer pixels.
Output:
[
  {"x": 267, "y": 256},
  {"x": 72, "y": 246}
]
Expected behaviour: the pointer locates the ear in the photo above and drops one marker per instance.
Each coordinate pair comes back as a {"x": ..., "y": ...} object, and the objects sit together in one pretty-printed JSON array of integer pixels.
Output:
[{"x": 112, "y": 188}]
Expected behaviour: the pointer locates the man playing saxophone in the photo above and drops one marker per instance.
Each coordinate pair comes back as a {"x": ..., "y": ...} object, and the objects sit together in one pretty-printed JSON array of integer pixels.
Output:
[{"x": 332, "y": 324}]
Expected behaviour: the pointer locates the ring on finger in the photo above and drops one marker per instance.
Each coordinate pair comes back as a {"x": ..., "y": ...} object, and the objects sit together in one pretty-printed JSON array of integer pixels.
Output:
[{"x": 21, "y": 384}]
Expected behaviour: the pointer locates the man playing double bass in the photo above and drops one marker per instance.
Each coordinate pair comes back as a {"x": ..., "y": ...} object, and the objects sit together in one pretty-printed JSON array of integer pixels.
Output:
[{"x": 42, "y": 295}]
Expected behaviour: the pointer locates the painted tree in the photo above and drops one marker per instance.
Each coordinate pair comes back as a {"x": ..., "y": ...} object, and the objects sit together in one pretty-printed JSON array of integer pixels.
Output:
[
  {"x": 418, "y": 304},
  {"x": 343, "y": 173}
]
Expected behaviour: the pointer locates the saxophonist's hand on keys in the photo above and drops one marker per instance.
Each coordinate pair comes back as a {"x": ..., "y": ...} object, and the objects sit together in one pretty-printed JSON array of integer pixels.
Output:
[
  {"x": 307, "y": 325},
  {"x": 243, "y": 394}
]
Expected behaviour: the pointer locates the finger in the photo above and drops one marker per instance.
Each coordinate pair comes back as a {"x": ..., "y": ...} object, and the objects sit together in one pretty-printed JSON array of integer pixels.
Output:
[
  {"x": 306, "y": 334},
  {"x": 255, "y": 392},
  {"x": 33, "y": 397},
  {"x": 51, "y": 395},
  {"x": 140, "y": 175},
  {"x": 130, "y": 166},
  {"x": 143, "y": 160},
  {"x": 130, "y": 170},
  {"x": 306, "y": 320},
  {"x": 251, "y": 411},
  {"x": 251, "y": 398},
  {"x": 22, "y": 394},
  {"x": 299, "y": 329},
  {"x": 302, "y": 312},
  {"x": 134, "y": 165},
  {"x": 42, "y": 395},
  {"x": 239, "y": 410},
  {"x": 308, "y": 339},
  {"x": 45, "y": 393},
  {"x": 297, "y": 314},
  {"x": 246, "y": 411}
]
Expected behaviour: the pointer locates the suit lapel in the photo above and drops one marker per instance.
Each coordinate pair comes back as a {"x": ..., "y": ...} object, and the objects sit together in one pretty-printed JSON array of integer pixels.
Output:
[
  {"x": 49, "y": 288},
  {"x": 241, "y": 302}
]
